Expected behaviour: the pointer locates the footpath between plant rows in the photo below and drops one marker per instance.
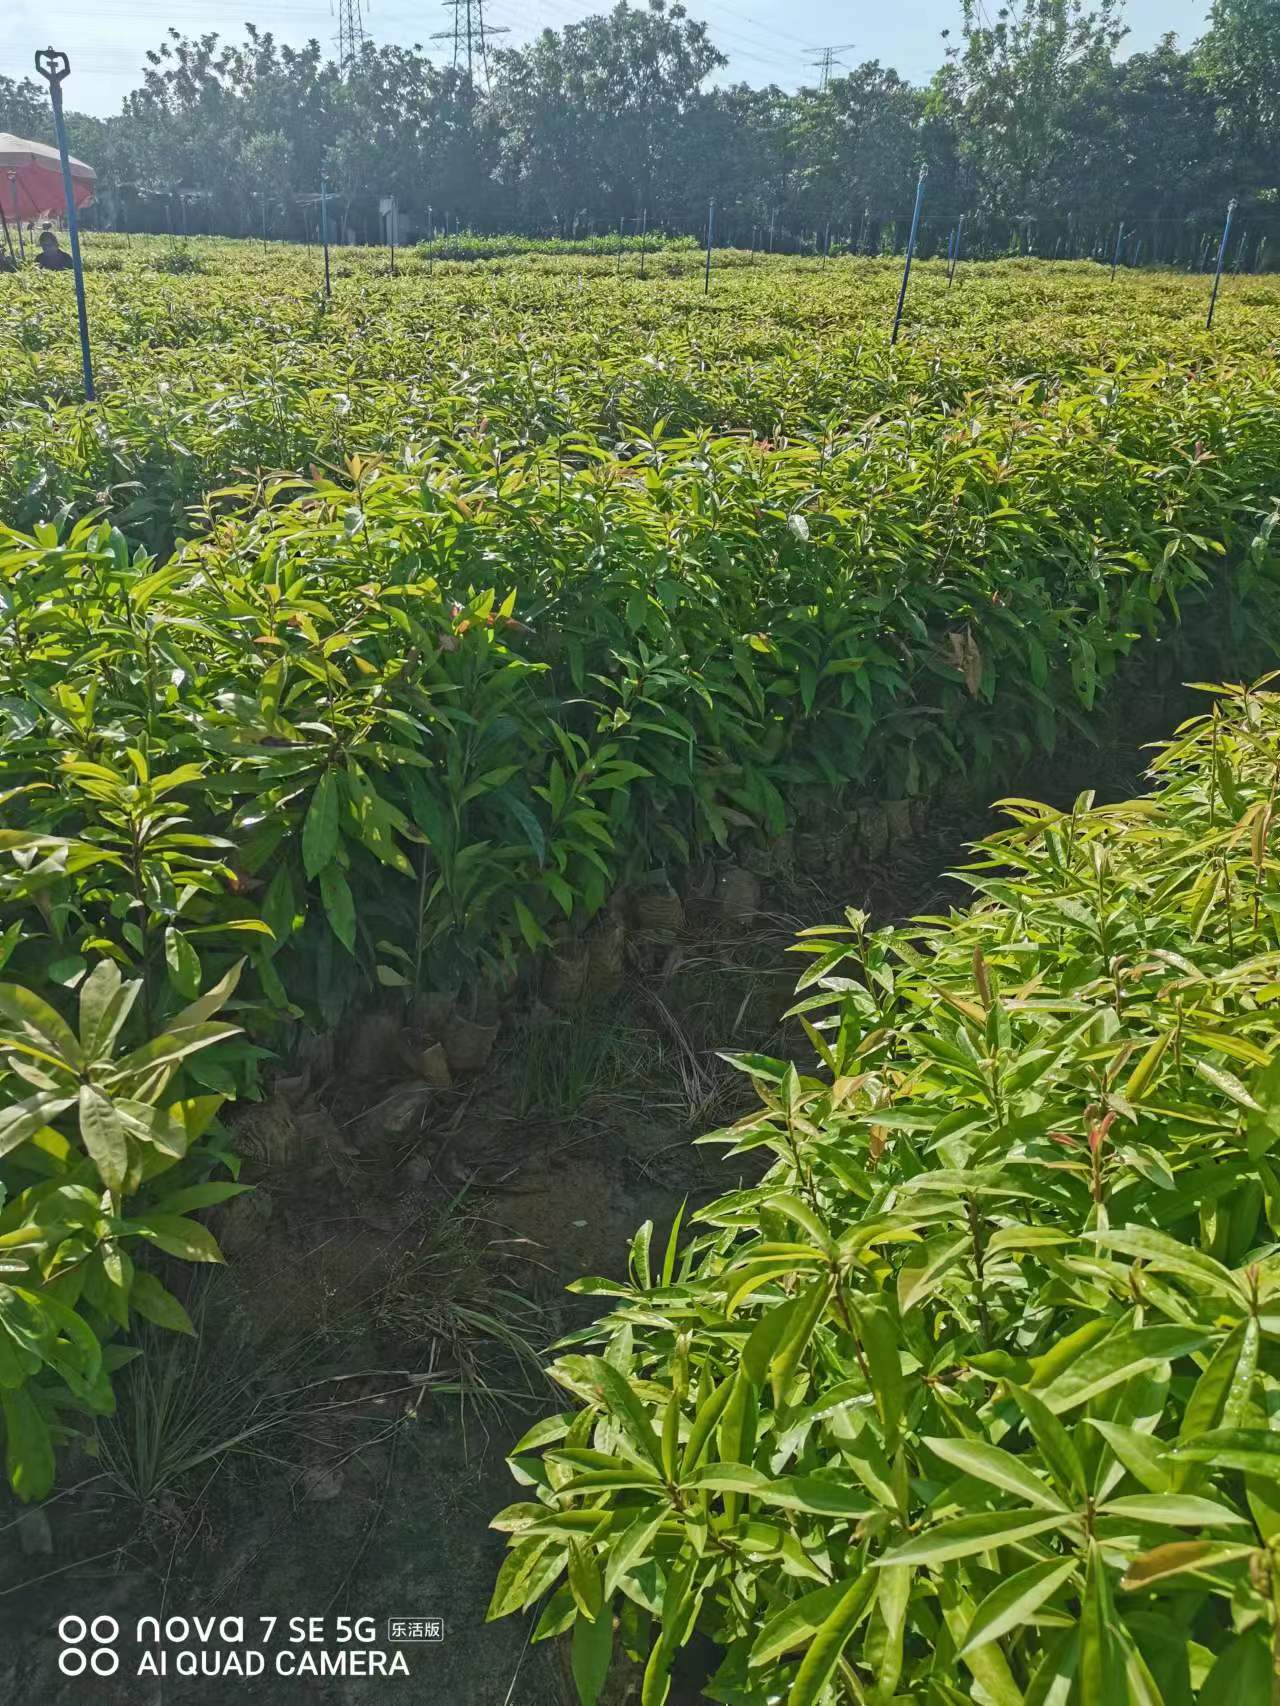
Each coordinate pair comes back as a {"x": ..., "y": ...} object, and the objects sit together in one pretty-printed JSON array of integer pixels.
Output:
[{"x": 396, "y": 1231}]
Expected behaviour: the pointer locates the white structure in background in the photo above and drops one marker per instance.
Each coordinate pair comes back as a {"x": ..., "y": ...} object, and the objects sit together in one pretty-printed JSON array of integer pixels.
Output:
[{"x": 396, "y": 229}]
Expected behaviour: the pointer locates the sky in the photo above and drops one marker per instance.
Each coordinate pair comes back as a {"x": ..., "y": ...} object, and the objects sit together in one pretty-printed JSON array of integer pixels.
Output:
[{"x": 766, "y": 41}]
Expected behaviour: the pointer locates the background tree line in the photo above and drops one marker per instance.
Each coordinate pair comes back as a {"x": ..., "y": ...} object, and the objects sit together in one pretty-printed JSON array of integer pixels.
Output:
[{"x": 1033, "y": 128}]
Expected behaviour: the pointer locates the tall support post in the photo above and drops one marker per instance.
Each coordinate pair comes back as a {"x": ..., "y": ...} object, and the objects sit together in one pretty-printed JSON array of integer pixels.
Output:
[
  {"x": 955, "y": 253},
  {"x": 644, "y": 233},
  {"x": 911, "y": 249},
  {"x": 17, "y": 217},
  {"x": 826, "y": 244},
  {"x": 773, "y": 214},
  {"x": 1115, "y": 258},
  {"x": 263, "y": 195},
  {"x": 324, "y": 231},
  {"x": 711, "y": 231},
  {"x": 55, "y": 67},
  {"x": 1222, "y": 255}
]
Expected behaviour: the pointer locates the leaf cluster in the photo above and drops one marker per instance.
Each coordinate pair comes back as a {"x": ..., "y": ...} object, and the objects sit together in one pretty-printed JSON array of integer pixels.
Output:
[{"x": 972, "y": 1397}]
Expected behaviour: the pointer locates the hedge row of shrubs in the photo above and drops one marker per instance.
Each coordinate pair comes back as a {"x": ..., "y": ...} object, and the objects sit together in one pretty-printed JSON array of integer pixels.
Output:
[{"x": 973, "y": 1396}]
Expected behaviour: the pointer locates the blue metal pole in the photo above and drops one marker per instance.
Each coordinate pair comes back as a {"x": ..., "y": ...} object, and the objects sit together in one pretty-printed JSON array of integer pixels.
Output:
[
  {"x": 711, "y": 230},
  {"x": 54, "y": 68},
  {"x": 324, "y": 229},
  {"x": 911, "y": 249},
  {"x": 1222, "y": 255},
  {"x": 955, "y": 254},
  {"x": 1115, "y": 259}
]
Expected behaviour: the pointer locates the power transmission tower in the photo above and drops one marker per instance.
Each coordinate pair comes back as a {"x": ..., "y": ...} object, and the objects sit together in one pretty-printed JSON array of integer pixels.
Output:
[
  {"x": 828, "y": 61},
  {"x": 350, "y": 31},
  {"x": 470, "y": 36}
]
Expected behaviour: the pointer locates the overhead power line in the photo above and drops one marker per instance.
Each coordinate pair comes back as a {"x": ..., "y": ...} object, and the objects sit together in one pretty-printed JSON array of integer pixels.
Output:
[
  {"x": 757, "y": 26},
  {"x": 528, "y": 20}
]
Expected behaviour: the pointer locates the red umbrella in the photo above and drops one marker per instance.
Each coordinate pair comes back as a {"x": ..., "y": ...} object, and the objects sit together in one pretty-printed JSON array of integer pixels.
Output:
[{"x": 31, "y": 179}]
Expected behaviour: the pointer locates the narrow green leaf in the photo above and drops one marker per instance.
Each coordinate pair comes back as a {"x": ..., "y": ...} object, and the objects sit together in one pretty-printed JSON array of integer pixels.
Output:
[
  {"x": 103, "y": 1136},
  {"x": 1177, "y": 1510},
  {"x": 796, "y": 1623},
  {"x": 1102, "y": 1680},
  {"x": 176, "y": 1235},
  {"x": 339, "y": 907},
  {"x": 998, "y": 1468},
  {"x": 819, "y": 1663},
  {"x": 585, "y": 1581},
  {"x": 183, "y": 963},
  {"x": 320, "y": 826},
  {"x": 963, "y": 1536},
  {"x": 1055, "y": 1443},
  {"x": 1256, "y": 1451},
  {"x": 1145, "y": 1457},
  {"x": 1013, "y": 1603},
  {"x": 1160, "y": 1251},
  {"x": 590, "y": 1654},
  {"x": 1115, "y": 1359},
  {"x": 625, "y": 1408},
  {"x": 1242, "y": 1673},
  {"x": 151, "y": 1300},
  {"x": 631, "y": 1548},
  {"x": 703, "y": 1425},
  {"x": 28, "y": 1446}
]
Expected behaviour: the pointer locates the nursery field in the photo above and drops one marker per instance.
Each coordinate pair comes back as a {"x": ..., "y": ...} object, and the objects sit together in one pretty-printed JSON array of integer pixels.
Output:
[
  {"x": 425, "y": 716},
  {"x": 231, "y": 363},
  {"x": 497, "y": 590}
]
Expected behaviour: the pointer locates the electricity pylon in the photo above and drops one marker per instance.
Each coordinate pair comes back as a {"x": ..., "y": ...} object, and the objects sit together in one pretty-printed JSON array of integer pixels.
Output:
[
  {"x": 829, "y": 60},
  {"x": 350, "y": 32},
  {"x": 470, "y": 36}
]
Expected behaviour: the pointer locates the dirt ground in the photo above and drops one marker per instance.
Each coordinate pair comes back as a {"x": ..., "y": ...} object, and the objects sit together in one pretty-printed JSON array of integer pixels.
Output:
[{"x": 333, "y": 1447}]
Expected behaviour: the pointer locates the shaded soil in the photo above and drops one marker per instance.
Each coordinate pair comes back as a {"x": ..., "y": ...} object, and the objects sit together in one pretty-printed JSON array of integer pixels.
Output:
[{"x": 363, "y": 1348}]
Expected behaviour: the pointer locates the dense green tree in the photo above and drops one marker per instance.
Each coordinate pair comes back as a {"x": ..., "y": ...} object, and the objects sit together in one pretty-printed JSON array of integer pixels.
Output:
[
  {"x": 588, "y": 116},
  {"x": 24, "y": 108},
  {"x": 1241, "y": 56},
  {"x": 1025, "y": 81},
  {"x": 1034, "y": 128},
  {"x": 1171, "y": 165},
  {"x": 859, "y": 139}
]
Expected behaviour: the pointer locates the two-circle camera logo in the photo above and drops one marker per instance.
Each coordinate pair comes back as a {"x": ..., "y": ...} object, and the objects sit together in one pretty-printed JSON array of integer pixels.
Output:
[{"x": 75, "y": 1659}]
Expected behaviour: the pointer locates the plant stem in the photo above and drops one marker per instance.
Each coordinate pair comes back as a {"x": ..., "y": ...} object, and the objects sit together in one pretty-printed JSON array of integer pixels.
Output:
[{"x": 976, "y": 1235}]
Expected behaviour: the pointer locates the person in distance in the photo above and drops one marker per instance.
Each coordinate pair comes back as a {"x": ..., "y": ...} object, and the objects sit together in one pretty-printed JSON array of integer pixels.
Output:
[{"x": 52, "y": 257}]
